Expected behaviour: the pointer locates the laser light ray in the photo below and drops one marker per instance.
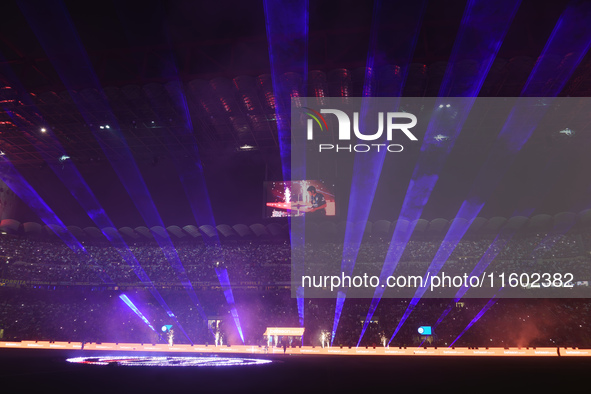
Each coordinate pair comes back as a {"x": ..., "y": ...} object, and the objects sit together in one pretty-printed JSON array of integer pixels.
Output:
[
  {"x": 15, "y": 181},
  {"x": 287, "y": 36},
  {"x": 55, "y": 31},
  {"x": 499, "y": 243},
  {"x": 191, "y": 173},
  {"x": 498, "y": 17},
  {"x": 520, "y": 124},
  {"x": 488, "y": 305},
  {"x": 518, "y": 128},
  {"x": 489, "y": 255},
  {"x": 506, "y": 233},
  {"x": 367, "y": 169},
  {"x": 224, "y": 279},
  {"x": 137, "y": 311},
  {"x": 532, "y": 199},
  {"x": 72, "y": 179}
]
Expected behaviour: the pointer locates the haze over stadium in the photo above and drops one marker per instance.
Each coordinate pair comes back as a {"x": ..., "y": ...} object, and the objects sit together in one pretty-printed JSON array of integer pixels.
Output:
[{"x": 155, "y": 195}]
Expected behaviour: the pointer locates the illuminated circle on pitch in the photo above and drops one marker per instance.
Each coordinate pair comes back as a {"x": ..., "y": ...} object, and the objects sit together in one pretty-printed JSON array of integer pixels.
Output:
[{"x": 154, "y": 361}]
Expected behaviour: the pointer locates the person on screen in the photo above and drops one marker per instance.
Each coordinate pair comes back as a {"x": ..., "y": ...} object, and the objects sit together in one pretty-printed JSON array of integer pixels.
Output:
[{"x": 318, "y": 208}]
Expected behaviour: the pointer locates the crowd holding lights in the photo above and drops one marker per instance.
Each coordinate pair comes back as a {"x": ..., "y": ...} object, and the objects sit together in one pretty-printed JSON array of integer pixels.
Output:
[{"x": 40, "y": 277}]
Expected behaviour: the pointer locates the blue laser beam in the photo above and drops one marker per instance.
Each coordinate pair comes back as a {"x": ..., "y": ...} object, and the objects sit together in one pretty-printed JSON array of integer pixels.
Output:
[
  {"x": 71, "y": 177},
  {"x": 17, "y": 183},
  {"x": 498, "y": 244},
  {"x": 532, "y": 199},
  {"x": 367, "y": 167},
  {"x": 224, "y": 279},
  {"x": 486, "y": 307},
  {"x": 54, "y": 30},
  {"x": 191, "y": 173},
  {"x": 473, "y": 42},
  {"x": 137, "y": 311},
  {"x": 529, "y": 202},
  {"x": 519, "y": 127},
  {"x": 190, "y": 170},
  {"x": 287, "y": 36}
]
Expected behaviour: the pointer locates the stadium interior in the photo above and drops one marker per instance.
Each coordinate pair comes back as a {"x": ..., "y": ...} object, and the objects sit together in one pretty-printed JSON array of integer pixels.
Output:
[{"x": 145, "y": 191}]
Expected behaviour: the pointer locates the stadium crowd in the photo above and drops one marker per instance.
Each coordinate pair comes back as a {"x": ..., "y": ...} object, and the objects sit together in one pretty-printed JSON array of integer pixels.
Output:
[{"x": 49, "y": 292}]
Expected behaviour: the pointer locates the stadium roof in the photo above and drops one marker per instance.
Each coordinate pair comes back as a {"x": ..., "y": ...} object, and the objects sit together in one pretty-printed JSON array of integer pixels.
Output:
[{"x": 218, "y": 52}]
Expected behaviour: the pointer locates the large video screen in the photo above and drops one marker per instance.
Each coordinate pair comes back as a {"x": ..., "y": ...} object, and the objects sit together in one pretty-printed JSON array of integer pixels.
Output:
[{"x": 313, "y": 198}]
